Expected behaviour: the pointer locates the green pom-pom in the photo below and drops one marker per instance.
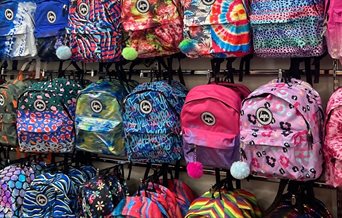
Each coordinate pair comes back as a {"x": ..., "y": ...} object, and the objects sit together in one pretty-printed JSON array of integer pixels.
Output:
[
  {"x": 187, "y": 45},
  {"x": 129, "y": 53}
]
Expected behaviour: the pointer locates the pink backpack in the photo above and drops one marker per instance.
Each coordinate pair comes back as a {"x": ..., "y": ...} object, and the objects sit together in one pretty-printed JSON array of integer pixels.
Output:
[
  {"x": 333, "y": 139},
  {"x": 334, "y": 28},
  {"x": 210, "y": 126},
  {"x": 281, "y": 131}
]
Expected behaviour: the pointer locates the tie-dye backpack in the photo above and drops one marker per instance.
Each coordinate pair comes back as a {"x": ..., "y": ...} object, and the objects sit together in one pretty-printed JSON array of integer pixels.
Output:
[
  {"x": 152, "y": 122},
  {"x": 334, "y": 28},
  {"x": 51, "y": 18},
  {"x": 98, "y": 121},
  {"x": 288, "y": 28},
  {"x": 216, "y": 28},
  {"x": 17, "y": 29},
  {"x": 210, "y": 126},
  {"x": 14, "y": 182},
  {"x": 332, "y": 141},
  {"x": 154, "y": 27},
  {"x": 281, "y": 131},
  {"x": 45, "y": 117},
  {"x": 49, "y": 196},
  {"x": 95, "y": 31}
]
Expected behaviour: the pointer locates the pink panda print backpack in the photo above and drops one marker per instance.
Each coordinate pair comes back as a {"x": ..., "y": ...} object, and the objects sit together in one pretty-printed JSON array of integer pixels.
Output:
[
  {"x": 280, "y": 128},
  {"x": 334, "y": 28},
  {"x": 333, "y": 140},
  {"x": 210, "y": 126}
]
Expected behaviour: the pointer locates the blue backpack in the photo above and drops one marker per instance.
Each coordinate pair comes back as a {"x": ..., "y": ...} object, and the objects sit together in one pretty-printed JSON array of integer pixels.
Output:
[
  {"x": 152, "y": 122},
  {"x": 17, "y": 29},
  {"x": 49, "y": 196},
  {"x": 51, "y": 18}
]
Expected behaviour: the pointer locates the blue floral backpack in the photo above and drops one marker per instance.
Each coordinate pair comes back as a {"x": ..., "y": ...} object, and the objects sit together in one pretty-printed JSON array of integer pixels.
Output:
[
  {"x": 45, "y": 117},
  {"x": 99, "y": 126},
  {"x": 51, "y": 18},
  {"x": 152, "y": 122}
]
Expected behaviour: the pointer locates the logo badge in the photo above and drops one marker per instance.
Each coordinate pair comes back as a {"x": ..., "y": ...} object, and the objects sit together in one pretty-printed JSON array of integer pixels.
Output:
[
  {"x": 143, "y": 6},
  {"x": 41, "y": 200},
  {"x": 145, "y": 107},
  {"x": 51, "y": 16},
  {"x": 96, "y": 106},
  {"x": 39, "y": 105},
  {"x": 208, "y": 2},
  {"x": 264, "y": 116},
  {"x": 2, "y": 100},
  {"x": 208, "y": 118},
  {"x": 83, "y": 9},
  {"x": 9, "y": 14}
]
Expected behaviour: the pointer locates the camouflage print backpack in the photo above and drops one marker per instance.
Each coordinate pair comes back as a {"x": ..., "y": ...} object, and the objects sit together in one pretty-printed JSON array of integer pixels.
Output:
[
  {"x": 45, "y": 118},
  {"x": 9, "y": 94}
]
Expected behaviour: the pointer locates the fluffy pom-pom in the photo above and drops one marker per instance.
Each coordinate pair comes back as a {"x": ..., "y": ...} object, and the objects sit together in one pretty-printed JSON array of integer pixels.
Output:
[
  {"x": 63, "y": 52},
  {"x": 129, "y": 53},
  {"x": 195, "y": 170},
  {"x": 239, "y": 170},
  {"x": 187, "y": 45}
]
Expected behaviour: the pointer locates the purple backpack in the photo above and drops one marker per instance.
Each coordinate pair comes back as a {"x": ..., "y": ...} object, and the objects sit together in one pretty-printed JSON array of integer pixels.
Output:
[{"x": 281, "y": 127}]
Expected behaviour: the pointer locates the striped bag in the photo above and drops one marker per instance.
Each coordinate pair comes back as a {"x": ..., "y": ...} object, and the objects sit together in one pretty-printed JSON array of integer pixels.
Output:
[
  {"x": 215, "y": 28},
  {"x": 225, "y": 204},
  {"x": 49, "y": 196},
  {"x": 94, "y": 30}
]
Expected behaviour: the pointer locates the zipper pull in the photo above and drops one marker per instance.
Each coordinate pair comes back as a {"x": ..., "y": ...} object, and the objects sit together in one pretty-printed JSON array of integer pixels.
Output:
[
  {"x": 310, "y": 138},
  {"x": 293, "y": 200}
]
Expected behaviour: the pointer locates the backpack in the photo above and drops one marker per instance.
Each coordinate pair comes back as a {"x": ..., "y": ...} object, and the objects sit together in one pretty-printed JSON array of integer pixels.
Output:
[
  {"x": 334, "y": 28},
  {"x": 14, "y": 181},
  {"x": 138, "y": 207},
  {"x": 151, "y": 122},
  {"x": 94, "y": 30},
  {"x": 51, "y": 18},
  {"x": 218, "y": 29},
  {"x": 280, "y": 131},
  {"x": 46, "y": 114},
  {"x": 332, "y": 140},
  {"x": 17, "y": 29},
  {"x": 9, "y": 94},
  {"x": 99, "y": 118},
  {"x": 49, "y": 196},
  {"x": 210, "y": 126},
  {"x": 287, "y": 28},
  {"x": 154, "y": 28},
  {"x": 101, "y": 195}
]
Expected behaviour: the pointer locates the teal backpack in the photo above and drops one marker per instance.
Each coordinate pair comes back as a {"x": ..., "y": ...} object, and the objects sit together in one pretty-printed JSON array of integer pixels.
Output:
[{"x": 99, "y": 127}]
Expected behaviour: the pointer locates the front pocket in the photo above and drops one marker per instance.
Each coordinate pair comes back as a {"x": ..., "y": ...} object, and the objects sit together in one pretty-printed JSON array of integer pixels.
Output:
[
  {"x": 157, "y": 148},
  {"x": 96, "y": 47},
  {"x": 104, "y": 137}
]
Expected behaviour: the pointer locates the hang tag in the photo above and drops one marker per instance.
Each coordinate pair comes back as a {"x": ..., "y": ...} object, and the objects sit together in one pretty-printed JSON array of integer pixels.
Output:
[
  {"x": 43, "y": 73},
  {"x": 2, "y": 71},
  {"x": 92, "y": 73}
]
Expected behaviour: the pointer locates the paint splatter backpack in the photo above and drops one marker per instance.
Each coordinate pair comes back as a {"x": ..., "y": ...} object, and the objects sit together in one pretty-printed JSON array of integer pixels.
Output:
[
  {"x": 14, "y": 181},
  {"x": 101, "y": 195},
  {"x": 17, "y": 29},
  {"x": 280, "y": 128},
  {"x": 154, "y": 27},
  {"x": 49, "y": 196},
  {"x": 210, "y": 126},
  {"x": 51, "y": 18},
  {"x": 332, "y": 140},
  {"x": 287, "y": 28},
  {"x": 216, "y": 28},
  {"x": 152, "y": 122},
  {"x": 95, "y": 31},
  {"x": 9, "y": 94},
  {"x": 45, "y": 117},
  {"x": 98, "y": 121},
  {"x": 334, "y": 28}
]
